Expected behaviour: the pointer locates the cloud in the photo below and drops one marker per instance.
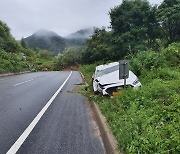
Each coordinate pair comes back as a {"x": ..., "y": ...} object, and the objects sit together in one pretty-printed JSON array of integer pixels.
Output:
[{"x": 24, "y": 17}]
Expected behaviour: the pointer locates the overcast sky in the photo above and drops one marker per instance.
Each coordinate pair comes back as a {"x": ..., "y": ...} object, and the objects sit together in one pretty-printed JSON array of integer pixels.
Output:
[{"x": 24, "y": 17}]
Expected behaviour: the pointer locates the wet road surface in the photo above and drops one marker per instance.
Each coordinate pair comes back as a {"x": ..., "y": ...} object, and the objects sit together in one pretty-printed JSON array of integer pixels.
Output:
[{"x": 65, "y": 127}]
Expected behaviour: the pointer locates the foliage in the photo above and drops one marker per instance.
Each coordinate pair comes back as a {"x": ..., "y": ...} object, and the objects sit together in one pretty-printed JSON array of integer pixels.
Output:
[
  {"x": 44, "y": 54},
  {"x": 23, "y": 43},
  {"x": 12, "y": 62},
  {"x": 134, "y": 27},
  {"x": 169, "y": 17},
  {"x": 45, "y": 64},
  {"x": 172, "y": 54},
  {"x": 98, "y": 47},
  {"x": 146, "y": 120},
  {"x": 71, "y": 56},
  {"x": 146, "y": 61},
  {"x": 16, "y": 57},
  {"x": 7, "y": 42}
]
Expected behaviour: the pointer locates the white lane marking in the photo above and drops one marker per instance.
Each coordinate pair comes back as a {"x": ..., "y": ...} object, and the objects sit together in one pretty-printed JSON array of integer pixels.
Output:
[
  {"x": 22, "y": 82},
  {"x": 15, "y": 147}
]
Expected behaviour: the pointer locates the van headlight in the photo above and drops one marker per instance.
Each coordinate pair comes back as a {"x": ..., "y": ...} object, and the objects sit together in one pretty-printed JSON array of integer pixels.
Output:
[{"x": 136, "y": 81}]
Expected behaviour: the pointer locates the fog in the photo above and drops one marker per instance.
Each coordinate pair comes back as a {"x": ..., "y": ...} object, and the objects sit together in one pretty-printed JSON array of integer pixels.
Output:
[{"x": 64, "y": 17}]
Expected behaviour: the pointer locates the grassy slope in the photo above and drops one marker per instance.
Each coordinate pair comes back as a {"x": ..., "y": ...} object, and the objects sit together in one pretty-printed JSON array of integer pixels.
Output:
[
  {"x": 146, "y": 120},
  {"x": 16, "y": 62},
  {"x": 12, "y": 62},
  {"x": 16, "y": 57}
]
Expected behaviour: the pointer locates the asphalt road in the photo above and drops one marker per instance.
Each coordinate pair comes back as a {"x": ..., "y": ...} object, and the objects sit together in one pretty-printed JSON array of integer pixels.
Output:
[{"x": 66, "y": 126}]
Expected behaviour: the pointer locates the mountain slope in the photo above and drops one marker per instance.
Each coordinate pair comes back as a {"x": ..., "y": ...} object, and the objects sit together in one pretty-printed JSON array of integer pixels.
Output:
[
  {"x": 51, "y": 41},
  {"x": 79, "y": 37},
  {"x": 46, "y": 40},
  {"x": 83, "y": 33}
]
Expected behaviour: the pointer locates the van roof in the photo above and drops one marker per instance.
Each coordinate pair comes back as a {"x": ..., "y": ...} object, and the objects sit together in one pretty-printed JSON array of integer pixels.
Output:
[{"x": 101, "y": 67}]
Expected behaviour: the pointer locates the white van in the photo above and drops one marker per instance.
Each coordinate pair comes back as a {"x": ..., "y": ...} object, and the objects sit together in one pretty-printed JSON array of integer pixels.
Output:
[
  {"x": 96, "y": 76},
  {"x": 108, "y": 80}
]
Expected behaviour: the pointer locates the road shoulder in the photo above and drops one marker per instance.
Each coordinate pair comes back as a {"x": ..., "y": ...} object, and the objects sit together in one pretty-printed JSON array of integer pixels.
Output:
[
  {"x": 109, "y": 141},
  {"x": 13, "y": 73}
]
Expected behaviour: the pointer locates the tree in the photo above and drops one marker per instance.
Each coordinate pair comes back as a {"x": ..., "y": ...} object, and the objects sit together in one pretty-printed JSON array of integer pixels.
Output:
[
  {"x": 134, "y": 27},
  {"x": 98, "y": 47},
  {"x": 169, "y": 17},
  {"x": 7, "y": 42},
  {"x": 23, "y": 43},
  {"x": 4, "y": 30},
  {"x": 70, "y": 57},
  {"x": 44, "y": 54}
]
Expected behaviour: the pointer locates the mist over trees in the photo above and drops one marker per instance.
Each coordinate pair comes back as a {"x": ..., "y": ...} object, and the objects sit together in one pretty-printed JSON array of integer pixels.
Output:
[
  {"x": 49, "y": 40},
  {"x": 46, "y": 40},
  {"x": 136, "y": 26}
]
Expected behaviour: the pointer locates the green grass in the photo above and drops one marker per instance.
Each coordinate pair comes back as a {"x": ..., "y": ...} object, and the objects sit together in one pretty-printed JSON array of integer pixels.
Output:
[
  {"x": 45, "y": 64},
  {"x": 146, "y": 120}
]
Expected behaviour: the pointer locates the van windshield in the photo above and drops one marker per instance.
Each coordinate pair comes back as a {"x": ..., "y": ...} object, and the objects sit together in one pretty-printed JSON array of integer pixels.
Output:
[{"x": 107, "y": 70}]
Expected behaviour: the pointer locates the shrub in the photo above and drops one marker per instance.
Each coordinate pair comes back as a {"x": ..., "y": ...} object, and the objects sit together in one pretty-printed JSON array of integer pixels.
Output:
[
  {"x": 146, "y": 60},
  {"x": 172, "y": 54},
  {"x": 12, "y": 62}
]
